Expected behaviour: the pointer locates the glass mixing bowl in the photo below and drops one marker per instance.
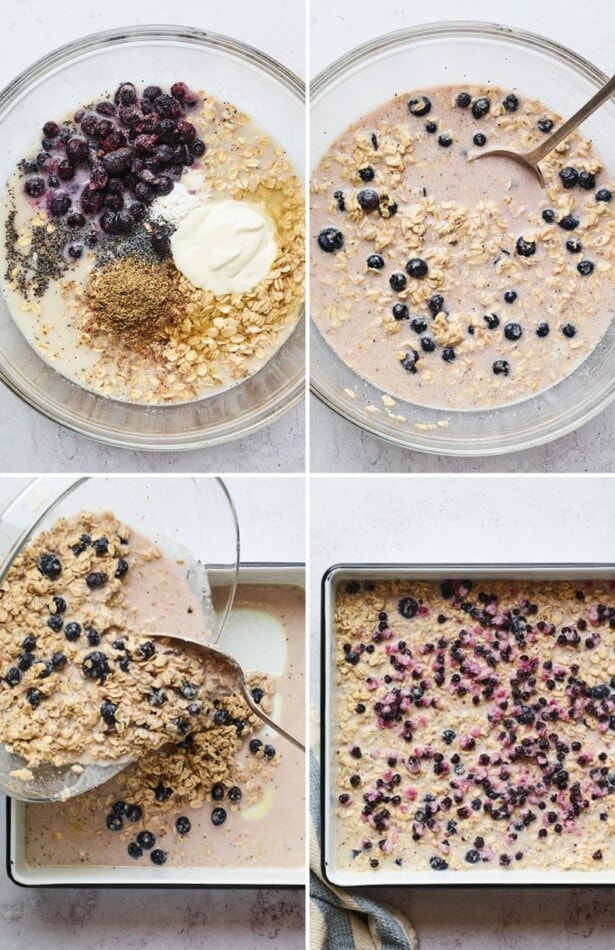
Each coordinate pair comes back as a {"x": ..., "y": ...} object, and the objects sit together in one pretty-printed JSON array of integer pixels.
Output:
[
  {"x": 462, "y": 53},
  {"x": 191, "y": 519},
  {"x": 81, "y": 71}
]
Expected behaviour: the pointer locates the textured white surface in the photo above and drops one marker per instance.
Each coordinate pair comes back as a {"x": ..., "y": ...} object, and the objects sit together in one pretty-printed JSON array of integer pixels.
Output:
[
  {"x": 480, "y": 519},
  {"x": 337, "y": 445},
  {"x": 271, "y": 517},
  {"x": 32, "y": 443}
]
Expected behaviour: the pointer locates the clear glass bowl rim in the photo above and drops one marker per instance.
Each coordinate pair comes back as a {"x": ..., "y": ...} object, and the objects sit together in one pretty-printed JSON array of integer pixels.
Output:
[
  {"x": 92, "y": 42},
  {"x": 452, "y": 29}
]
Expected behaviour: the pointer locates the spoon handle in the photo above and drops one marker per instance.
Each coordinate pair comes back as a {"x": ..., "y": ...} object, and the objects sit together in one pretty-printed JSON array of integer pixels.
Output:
[
  {"x": 573, "y": 122},
  {"x": 259, "y": 712}
]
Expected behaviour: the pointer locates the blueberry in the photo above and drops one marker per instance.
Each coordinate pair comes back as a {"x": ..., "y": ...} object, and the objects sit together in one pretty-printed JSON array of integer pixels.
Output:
[
  {"x": 34, "y": 697},
  {"x": 513, "y": 331},
  {"x": 234, "y": 793},
  {"x": 603, "y": 195},
  {"x": 492, "y": 320},
  {"x": 525, "y": 248},
  {"x": 108, "y": 711},
  {"x": 29, "y": 643},
  {"x": 330, "y": 240},
  {"x": 162, "y": 792},
  {"x": 122, "y": 568},
  {"x": 436, "y": 302},
  {"x": 569, "y": 222},
  {"x": 510, "y": 296},
  {"x": 585, "y": 268},
  {"x": 197, "y": 147},
  {"x": 146, "y": 650},
  {"x": 221, "y": 717},
  {"x": 255, "y": 745},
  {"x": 417, "y": 268},
  {"x": 409, "y": 361},
  {"x": 55, "y": 623},
  {"x": 480, "y": 139},
  {"x": 569, "y": 176},
  {"x": 60, "y": 204},
  {"x": 510, "y": 103},
  {"x": 428, "y": 344},
  {"x": 95, "y": 580},
  {"x": 463, "y": 100},
  {"x": 195, "y": 709},
  {"x": 472, "y": 856},
  {"x": 134, "y": 812},
  {"x": 13, "y": 676},
  {"x": 367, "y": 173},
  {"x": 375, "y": 262},
  {"x": 445, "y": 140},
  {"x": 134, "y": 850},
  {"x": 34, "y": 187},
  {"x": 542, "y": 329},
  {"x": 448, "y": 354},
  {"x": 480, "y": 107},
  {"x": 587, "y": 180},
  {"x": 95, "y": 666},
  {"x": 448, "y": 735},
  {"x": 574, "y": 246},
  {"x": 257, "y": 694},
  {"x": 419, "y": 105},
  {"x": 217, "y": 792},
  {"x": 269, "y": 752},
  {"x": 408, "y": 607},
  {"x": 368, "y": 199},
  {"x": 72, "y": 631},
  {"x": 183, "y": 825},
  {"x": 156, "y": 697},
  {"x": 50, "y": 566},
  {"x": 114, "y": 822},
  {"x": 545, "y": 125},
  {"x": 58, "y": 660},
  {"x": 501, "y": 368},
  {"x": 400, "y": 311},
  {"x": 46, "y": 669},
  {"x": 101, "y": 546},
  {"x": 397, "y": 281},
  {"x": 419, "y": 325},
  {"x": 341, "y": 201},
  {"x": 187, "y": 690},
  {"x": 568, "y": 330},
  {"x": 119, "y": 808},
  {"x": 146, "y": 840},
  {"x": 158, "y": 856},
  {"x": 438, "y": 864},
  {"x": 25, "y": 661},
  {"x": 93, "y": 637},
  {"x": 431, "y": 127},
  {"x": 548, "y": 215},
  {"x": 218, "y": 816}
]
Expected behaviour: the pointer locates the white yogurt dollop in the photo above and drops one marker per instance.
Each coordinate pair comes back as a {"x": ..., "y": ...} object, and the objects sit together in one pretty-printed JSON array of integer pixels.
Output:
[{"x": 226, "y": 247}]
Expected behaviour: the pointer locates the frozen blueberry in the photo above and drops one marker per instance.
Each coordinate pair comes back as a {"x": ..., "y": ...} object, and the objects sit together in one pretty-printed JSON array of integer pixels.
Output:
[
  {"x": 545, "y": 125},
  {"x": 510, "y": 296},
  {"x": 60, "y": 204},
  {"x": 428, "y": 344},
  {"x": 29, "y": 643},
  {"x": 417, "y": 268},
  {"x": 480, "y": 107},
  {"x": 95, "y": 666},
  {"x": 134, "y": 812},
  {"x": 58, "y": 660},
  {"x": 158, "y": 856},
  {"x": 479, "y": 139},
  {"x": 548, "y": 215},
  {"x": 134, "y": 850},
  {"x": 257, "y": 694},
  {"x": 34, "y": 187},
  {"x": 96, "y": 580},
  {"x": 25, "y": 661},
  {"x": 13, "y": 676},
  {"x": 431, "y": 127},
  {"x": 194, "y": 709},
  {"x": 183, "y": 825},
  {"x": 60, "y": 605},
  {"x": 187, "y": 690},
  {"x": 492, "y": 320},
  {"x": 367, "y": 173},
  {"x": 400, "y": 311},
  {"x": 221, "y": 717},
  {"x": 50, "y": 566},
  {"x": 409, "y": 361},
  {"x": 330, "y": 240},
  {"x": 55, "y": 623},
  {"x": 585, "y": 268},
  {"x": 542, "y": 329},
  {"x": 568, "y": 330},
  {"x": 436, "y": 302},
  {"x": 501, "y": 368},
  {"x": 34, "y": 697},
  {"x": 218, "y": 816},
  {"x": 510, "y": 103},
  {"x": 438, "y": 864},
  {"x": 525, "y": 248},
  {"x": 463, "y": 100},
  {"x": 72, "y": 631},
  {"x": 448, "y": 354},
  {"x": 162, "y": 792},
  {"x": 375, "y": 262},
  {"x": 574, "y": 246},
  {"x": 445, "y": 140},
  {"x": 568, "y": 222},
  {"x": 587, "y": 180},
  {"x": 397, "y": 281},
  {"x": 234, "y": 793},
  {"x": 472, "y": 856},
  {"x": 368, "y": 199},
  {"x": 101, "y": 546},
  {"x": 419, "y": 325},
  {"x": 408, "y": 607},
  {"x": 569, "y": 176},
  {"x": 108, "y": 711},
  {"x": 93, "y": 637},
  {"x": 603, "y": 195},
  {"x": 156, "y": 697},
  {"x": 114, "y": 822},
  {"x": 419, "y": 105},
  {"x": 513, "y": 331},
  {"x": 146, "y": 840}
]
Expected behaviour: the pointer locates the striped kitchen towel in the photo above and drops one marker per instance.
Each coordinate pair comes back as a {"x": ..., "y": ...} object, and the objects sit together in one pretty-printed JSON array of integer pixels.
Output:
[{"x": 347, "y": 919}]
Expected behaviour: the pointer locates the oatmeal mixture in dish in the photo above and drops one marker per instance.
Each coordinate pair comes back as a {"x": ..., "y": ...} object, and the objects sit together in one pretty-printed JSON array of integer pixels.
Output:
[
  {"x": 222, "y": 793},
  {"x": 454, "y": 284},
  {"x": 154, "y": 245},
  {"x": 474, "y": 724}
]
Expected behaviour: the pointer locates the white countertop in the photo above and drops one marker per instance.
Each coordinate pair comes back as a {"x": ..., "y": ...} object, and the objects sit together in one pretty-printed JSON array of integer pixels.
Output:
[
  {"x": 271, "y": 517},
  {"x": 29, "y": 30},
  {"x": 586, "y": 27},
  {"x": 421, "y": 520}
]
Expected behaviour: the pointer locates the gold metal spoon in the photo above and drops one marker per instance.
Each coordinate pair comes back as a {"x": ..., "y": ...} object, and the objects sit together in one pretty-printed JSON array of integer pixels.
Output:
[{"x": 531, "y": 159}]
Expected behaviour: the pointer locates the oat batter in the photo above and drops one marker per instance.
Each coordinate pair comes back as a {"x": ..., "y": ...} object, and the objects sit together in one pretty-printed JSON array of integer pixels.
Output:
[{"x": 452, "y": 284}]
